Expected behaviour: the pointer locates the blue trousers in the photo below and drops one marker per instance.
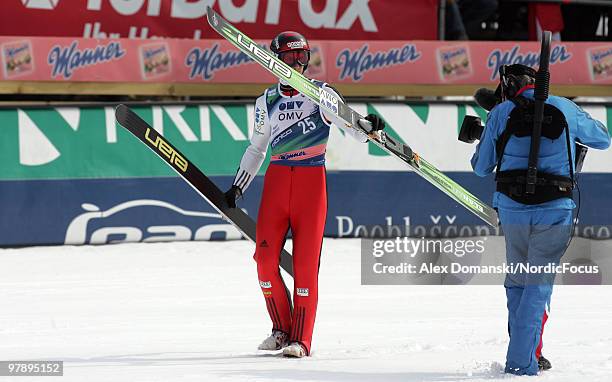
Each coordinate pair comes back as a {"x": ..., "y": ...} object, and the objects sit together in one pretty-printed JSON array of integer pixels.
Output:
[{"x": 537, "y": 238}]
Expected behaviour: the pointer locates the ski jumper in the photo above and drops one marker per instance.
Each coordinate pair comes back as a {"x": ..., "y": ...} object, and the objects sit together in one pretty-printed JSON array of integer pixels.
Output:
[
  {"x": 294, "y": 197},
  {"x": 537, "y": 234}
]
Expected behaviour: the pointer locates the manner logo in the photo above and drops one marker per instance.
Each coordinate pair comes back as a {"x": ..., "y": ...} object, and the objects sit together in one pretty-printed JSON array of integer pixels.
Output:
[
  {"x": 64, "y": 60},
  {"x": 206, "y": 62},
  {"x": 355, "y": 64},
  {"x": 497, "y": 58}
]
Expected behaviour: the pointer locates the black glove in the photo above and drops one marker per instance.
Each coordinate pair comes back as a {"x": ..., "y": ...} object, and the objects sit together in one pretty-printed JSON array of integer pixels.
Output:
[
  {"x": 231, "y": 195},
  {"x": 376, "y": 123}
]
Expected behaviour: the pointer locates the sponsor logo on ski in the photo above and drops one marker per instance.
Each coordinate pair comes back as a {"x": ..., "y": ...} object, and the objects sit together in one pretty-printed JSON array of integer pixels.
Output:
[
  {"x": 328, "y": 100},
  {"x": 498, "y": 57},
  {"x": 355, "y": 64},
  {"x": 265, "y": 58},
  {"x": 65, "y": 60},
  {"x": 302, "y": 292},
  {"x": 265, "y": 284},
  {"x": 264, "y": 244},
  {"x": 167, "y": 150},
  {"x": 470, "y": 201}
]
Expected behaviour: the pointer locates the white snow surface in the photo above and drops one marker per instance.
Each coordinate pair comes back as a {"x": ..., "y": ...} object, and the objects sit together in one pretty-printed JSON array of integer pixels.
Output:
[{"x": 193, "y": 311}]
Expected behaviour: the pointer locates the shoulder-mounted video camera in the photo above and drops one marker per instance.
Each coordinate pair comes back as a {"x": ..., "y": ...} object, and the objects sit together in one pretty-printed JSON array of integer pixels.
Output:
[{"x": 472, "y": 127}]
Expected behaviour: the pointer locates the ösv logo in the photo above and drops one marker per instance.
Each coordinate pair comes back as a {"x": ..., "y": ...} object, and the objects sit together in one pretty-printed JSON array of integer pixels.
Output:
[
  {"x": 498, "y": 57},
  {"x": 355, "y": 64},
  {"x": 65, "y": 60},
  {"x": 206, "y": 62},
  {"x": 117, "y": 224}
]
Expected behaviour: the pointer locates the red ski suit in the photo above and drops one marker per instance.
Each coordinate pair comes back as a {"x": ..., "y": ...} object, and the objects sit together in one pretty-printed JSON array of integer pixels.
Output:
[{"x": 294, "y": 197}]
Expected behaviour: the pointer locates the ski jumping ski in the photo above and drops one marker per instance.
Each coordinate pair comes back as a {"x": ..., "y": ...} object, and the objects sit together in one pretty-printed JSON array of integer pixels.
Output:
[
  {"x": 334, "y": 105},
  {"x": 193, "y": 176}
]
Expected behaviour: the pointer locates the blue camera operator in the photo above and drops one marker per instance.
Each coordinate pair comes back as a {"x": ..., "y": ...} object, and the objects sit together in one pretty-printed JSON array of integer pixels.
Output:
[{"x": 536, "y": 222}]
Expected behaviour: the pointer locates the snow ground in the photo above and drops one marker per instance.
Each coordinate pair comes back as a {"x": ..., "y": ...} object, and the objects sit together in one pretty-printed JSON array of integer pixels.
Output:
[{"x": 193, "y": 311}]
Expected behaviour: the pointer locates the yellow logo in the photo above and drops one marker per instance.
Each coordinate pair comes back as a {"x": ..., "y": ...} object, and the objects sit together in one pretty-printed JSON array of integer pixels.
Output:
[{"x": 167, "y": 150}]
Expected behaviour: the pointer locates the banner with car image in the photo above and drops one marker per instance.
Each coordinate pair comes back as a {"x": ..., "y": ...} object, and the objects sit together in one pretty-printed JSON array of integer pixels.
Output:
[{"x": 71, "y": 175}]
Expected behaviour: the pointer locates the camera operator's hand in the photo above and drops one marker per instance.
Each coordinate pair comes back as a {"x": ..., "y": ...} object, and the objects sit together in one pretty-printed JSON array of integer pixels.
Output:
[
  {"x": 231, "y": 195},
  {"x": 486, "y": 98},
  {"x": 372, "y": 123}
]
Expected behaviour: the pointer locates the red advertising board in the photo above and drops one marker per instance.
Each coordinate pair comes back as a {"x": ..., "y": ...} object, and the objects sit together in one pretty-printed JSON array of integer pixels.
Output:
[
  {"x": 217, "y": 61},
  {"x": 260, "y": 19}
]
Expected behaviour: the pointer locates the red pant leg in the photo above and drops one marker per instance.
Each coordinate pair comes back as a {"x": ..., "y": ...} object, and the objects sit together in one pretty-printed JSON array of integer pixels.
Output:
[
  {"x": 541, "y": 344},
  {"x": 307, "y": 216},
  {"x": 272, "y": 226}
]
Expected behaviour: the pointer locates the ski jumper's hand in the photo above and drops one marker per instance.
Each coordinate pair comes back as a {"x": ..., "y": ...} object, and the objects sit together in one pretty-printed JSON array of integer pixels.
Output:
[
  {"x": 231, "y": 195},
  {"x": 372, "y": 124}
]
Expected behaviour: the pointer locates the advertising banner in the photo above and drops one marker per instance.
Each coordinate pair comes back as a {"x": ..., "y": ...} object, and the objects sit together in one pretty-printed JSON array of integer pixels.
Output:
[
  {"x": 71, "y": 175},
  {"x": 348, "y": 62},
  {"x": 318, "y": 19}
]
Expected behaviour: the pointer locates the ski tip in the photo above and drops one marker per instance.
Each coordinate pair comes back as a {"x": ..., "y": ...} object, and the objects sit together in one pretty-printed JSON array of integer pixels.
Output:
[
  {"x": 211, "y": 16},
  {"x": 121, "y": 112}
]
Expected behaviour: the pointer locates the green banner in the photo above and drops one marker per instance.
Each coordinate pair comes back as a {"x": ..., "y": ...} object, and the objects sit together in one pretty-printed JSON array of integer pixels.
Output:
[
  {"x": 87, "y": 143},
  {"x": 78, "y": 143}
]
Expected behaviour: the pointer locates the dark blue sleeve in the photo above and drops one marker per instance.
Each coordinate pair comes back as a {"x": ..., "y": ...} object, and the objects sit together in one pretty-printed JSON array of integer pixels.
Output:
[{"x": 485, "y": 158}]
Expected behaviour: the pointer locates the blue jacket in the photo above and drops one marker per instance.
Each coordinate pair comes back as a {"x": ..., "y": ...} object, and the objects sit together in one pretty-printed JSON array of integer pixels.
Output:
[{"x": 553, "y": 153}]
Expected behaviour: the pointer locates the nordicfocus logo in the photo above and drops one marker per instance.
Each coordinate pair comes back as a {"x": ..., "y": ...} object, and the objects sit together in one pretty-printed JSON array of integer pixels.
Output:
[
  {"x": 265, "y": 284},
  {"x": 40, "y": 4},
  {"x": 302, "y": 292},
  {"x": 296, "y": 44},
  {"x": 127, "y": 222}
]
